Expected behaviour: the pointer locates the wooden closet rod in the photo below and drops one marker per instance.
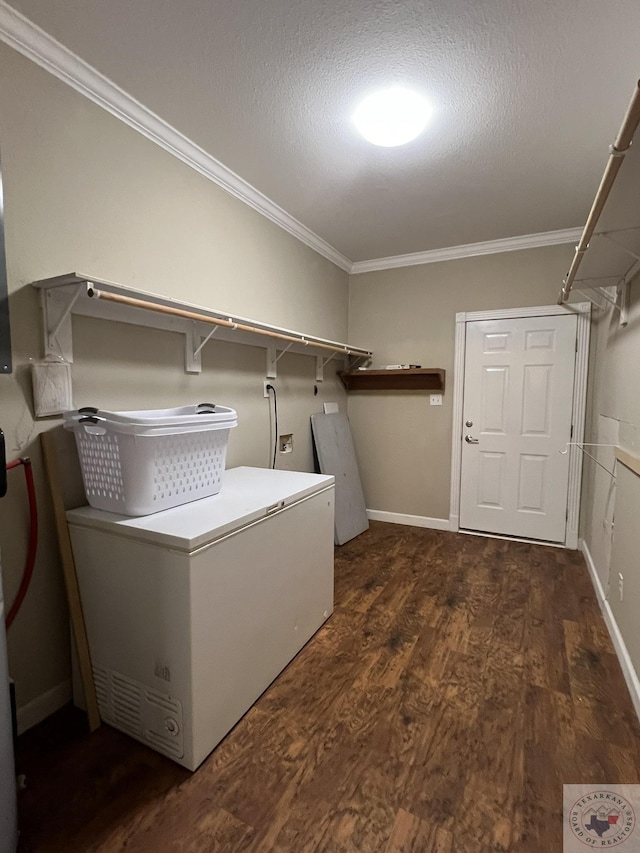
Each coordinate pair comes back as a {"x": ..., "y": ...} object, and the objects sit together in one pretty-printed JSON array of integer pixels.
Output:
[
  {"x": 618, "y": 150},
  {"x": 229, "y": 324}
]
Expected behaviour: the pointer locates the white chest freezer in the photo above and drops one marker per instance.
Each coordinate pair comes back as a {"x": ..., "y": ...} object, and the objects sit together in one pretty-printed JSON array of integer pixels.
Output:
[{"x": 192, "y": 612}]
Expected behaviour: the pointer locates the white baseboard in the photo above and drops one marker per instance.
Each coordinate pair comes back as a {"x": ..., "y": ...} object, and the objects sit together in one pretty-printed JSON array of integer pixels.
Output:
[
  {"x": 628, "y": 670},
  {"x": 41, "y": 707},
  {"x": 595, "y": 577},
  {"x": 412, "y": 520}
]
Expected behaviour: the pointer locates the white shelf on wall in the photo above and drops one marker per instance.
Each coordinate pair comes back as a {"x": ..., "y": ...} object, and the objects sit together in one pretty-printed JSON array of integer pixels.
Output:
[
  {"x": 612, "y": 260},
  {"x": 75, "y": 293},
  {"x": 608, "y": 254}
]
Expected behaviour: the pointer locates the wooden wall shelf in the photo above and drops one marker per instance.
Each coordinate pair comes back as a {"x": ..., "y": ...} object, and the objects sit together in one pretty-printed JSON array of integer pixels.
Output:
[{"x": 413, "y": 379}]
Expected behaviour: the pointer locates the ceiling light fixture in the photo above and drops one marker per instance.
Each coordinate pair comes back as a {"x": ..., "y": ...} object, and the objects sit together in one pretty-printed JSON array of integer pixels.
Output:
[{"x": 392, "y": 117}]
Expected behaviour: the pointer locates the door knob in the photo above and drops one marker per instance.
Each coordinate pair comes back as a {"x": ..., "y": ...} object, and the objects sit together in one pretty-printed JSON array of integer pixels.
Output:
[{"x": 471, "y": 440}]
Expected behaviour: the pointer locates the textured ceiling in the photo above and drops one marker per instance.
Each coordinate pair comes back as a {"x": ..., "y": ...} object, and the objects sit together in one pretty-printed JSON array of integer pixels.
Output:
[{"x": 527, "y": 96}]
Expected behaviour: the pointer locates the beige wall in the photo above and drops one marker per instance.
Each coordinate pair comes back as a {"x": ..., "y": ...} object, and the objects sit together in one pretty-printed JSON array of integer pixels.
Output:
[
  {"x": 408, "y": 316},
  {"x": 85, "y": 192},
  {"x": 612, "y": 507}
]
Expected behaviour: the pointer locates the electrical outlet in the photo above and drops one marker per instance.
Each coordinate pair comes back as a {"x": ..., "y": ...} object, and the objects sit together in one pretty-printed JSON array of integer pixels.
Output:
[
  {"x": 266, "y": 382},
  {"x": 620, "y": 585},
  {"x": 435, "y": 399}
]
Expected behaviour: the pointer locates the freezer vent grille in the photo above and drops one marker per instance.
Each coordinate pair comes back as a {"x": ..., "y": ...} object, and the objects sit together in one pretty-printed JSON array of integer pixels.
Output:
[
  {"x": 125, "y": 701},
  {"x": 166, "y": 703},
  {"x": 139, "y": 711},
  {"x": 118, "y": 700},
  {"x": 164, "y": 744},
  {"x": 101, "y": 681}
]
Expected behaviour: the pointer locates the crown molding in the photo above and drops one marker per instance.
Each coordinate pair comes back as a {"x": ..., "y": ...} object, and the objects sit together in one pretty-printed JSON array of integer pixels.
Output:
[
  {"x": 469, "y": 250},
  {"x": 33, "y": 42}
]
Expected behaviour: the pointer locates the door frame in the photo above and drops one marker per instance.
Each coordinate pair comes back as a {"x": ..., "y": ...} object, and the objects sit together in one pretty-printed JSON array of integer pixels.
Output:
[{"x": 583, "y": 312}]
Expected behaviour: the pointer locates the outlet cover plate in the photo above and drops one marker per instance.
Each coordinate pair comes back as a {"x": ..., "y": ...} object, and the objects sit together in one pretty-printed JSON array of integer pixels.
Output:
[{"x": 435, "y": 399}]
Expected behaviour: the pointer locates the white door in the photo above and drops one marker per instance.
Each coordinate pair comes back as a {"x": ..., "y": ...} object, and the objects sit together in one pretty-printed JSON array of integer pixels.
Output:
[{"x": 517, "y": 410}]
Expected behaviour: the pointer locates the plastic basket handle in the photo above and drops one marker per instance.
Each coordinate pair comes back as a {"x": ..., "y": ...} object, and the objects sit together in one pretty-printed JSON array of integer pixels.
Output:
[
  {"x": 92, "y": 429},
  {"x": 89, "y": 422},
  {"x": 205, "y": 408}
]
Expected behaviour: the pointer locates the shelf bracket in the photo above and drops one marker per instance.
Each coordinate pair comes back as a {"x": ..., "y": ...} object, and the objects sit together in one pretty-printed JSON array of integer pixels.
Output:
[
  {"x": 192, "y": 359},
  {"x": 194, "y": 343},
  {"x": 206, "y": 340},
  {"x": 286, "y": 349},
  {"x": 56, "y": 307},
  {"x": 593, "y": 301},
  {"x": 354, "y": 359},
  {"x": 624, "y": 291},
  {"x": 321, "y": 363},
  {"x": 272, "y": 363},
  {"x": 621, "y": 300},
  {"x": 273, "y": 357},
  {"x": 601, "y": 291}
]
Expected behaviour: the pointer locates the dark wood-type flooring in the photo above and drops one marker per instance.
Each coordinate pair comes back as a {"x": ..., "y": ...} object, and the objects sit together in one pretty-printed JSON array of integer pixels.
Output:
[{"x": 460, "y": 682}]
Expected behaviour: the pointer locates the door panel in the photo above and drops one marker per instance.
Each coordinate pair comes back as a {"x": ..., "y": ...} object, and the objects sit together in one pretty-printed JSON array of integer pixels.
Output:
[
  {"x": 540, "y": 339},
  {"x": 496, "y": 342},
  {"x": 518, "y": 397},
  {"x": 536, "y": 403},
  {"x": 491, "y": 482},
  {"x": 532, "y": 483},
  {"x": 494, "y": 398}
]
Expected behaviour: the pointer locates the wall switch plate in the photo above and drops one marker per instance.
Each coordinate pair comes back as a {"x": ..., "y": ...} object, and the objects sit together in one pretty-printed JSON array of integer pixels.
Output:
[{"x": 435, "y": 399}]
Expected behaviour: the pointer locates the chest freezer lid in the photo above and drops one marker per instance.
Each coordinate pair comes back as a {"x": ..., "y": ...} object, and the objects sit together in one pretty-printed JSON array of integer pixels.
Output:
[{"x": 247, "y": 495}]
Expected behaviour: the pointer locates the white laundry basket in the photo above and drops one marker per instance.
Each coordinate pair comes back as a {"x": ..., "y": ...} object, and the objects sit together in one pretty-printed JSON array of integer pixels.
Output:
[{"x": 141, "y": 462}]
